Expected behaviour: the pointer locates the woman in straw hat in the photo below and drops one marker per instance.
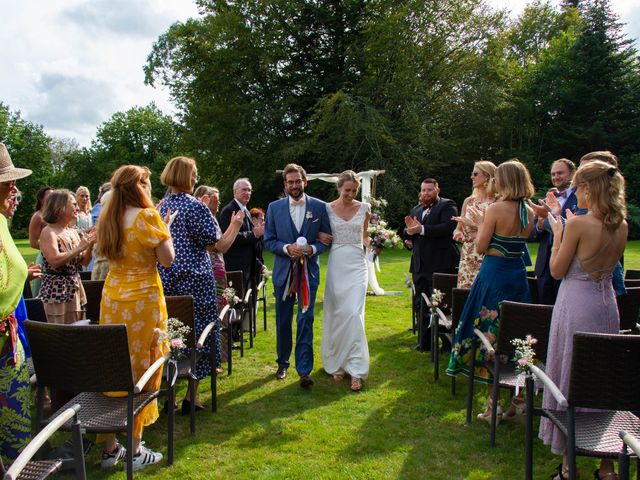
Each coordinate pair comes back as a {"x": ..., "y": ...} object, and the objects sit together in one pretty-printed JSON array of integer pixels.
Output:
[{"x": 15, "y": 418}]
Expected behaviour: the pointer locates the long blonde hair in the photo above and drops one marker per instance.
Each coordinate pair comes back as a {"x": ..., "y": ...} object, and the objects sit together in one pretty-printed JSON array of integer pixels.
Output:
[
  {"x": 127, "y": 191},
  {"x": 606, "y": 191},
  {"x": 79, "y": 190},
  {"x": 489, "y": 169}
]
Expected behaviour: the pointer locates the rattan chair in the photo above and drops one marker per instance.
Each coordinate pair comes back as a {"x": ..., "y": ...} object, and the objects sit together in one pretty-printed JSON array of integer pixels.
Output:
[
  {"x": 25, "y": 468},
  {"x": 603, "y": 377},
  {"x": 630, "y": 442},
  {"x": 93, "y": 291},
  {"x": 243, "y": 312},
  {"x": 261, "y": 291},
  {"x": 458, "y": 299},
  {"x": 35, "y": 310},
  {"x": 181, "y": 308},
  {"x": 517, "y": 320},
  {"x": 91, "y": 360},
  {"x": 632, "y": 274},
  {"x": 85, "y": 275},
  {"x": 629, "y": 309},
  {"x": 631, "y": 282}
]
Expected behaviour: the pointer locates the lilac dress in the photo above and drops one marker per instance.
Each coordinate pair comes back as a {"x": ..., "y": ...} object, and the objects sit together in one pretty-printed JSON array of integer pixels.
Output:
[{"x": 586, "y": 302}]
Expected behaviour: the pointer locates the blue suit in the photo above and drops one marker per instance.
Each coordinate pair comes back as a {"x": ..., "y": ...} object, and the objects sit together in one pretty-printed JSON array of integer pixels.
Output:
[
  {"x": 547, "y": 285},
  {"x": 278, "y": 232}
]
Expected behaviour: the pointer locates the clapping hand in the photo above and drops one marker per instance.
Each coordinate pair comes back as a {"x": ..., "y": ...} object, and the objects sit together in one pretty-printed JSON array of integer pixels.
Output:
[
  {"x": 458, "y": 235},
  {"x": 556, "y": 224},
  {"x": 88, "y": 240},
  {"x": 541, "y": 209},
  {"x": 34, "y": 271},
  {"x": 553, "y": 203},
  {"x": 413, "y": 226}
]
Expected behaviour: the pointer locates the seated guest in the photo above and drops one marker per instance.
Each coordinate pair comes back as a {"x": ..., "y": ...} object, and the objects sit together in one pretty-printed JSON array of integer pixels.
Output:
[
  {"x": 584, "y": 254},
  {"x": 64, "y": 255},
  {"x": 502, "y": 238}
]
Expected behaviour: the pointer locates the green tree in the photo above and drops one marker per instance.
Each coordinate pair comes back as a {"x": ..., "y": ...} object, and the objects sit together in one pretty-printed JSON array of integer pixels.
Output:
[{"x": 28, "y": 146}]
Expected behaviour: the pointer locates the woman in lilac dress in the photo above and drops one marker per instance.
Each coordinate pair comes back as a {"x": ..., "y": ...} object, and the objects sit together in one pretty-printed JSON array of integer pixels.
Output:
[{"x": 584, "y": 253}]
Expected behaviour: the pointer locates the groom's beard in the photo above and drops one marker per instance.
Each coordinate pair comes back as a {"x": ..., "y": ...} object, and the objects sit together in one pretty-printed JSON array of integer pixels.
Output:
[{"x": 296, "y": 193}]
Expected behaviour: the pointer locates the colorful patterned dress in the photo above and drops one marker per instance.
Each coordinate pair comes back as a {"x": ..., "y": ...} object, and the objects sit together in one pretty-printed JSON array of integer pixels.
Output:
[
  {"x": 191, "y": 273},
  {"x": 61, "y": 290},
  {"x": 15, "y": 391},
  {"x": 470, "y": 259},
  {"x": 133, "y": 296}
]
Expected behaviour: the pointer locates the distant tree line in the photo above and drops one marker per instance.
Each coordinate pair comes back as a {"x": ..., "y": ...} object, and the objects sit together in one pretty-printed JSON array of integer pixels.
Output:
[{"x": 412, "y": 87}]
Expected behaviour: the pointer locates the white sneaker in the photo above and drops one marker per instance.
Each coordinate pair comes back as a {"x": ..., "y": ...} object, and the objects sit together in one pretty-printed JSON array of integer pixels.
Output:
[
  {"x": 145, "y": 458},
  {"x": 111, "y": 459}
]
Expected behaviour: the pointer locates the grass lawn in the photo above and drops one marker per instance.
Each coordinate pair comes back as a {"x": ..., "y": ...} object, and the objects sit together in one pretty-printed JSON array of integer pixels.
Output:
[{"x": 402, "y": 425}]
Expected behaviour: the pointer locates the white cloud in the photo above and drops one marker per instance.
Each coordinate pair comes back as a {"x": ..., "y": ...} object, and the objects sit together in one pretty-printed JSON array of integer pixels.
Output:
[{"x": 71, "y": 64}]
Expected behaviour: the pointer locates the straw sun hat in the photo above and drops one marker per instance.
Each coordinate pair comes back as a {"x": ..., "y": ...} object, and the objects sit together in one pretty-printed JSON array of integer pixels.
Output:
[{"x": 7, "y": 171}]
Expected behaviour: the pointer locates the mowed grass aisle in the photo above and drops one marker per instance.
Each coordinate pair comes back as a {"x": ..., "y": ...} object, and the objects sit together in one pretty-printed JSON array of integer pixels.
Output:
[{"x": 402, "y": 425}]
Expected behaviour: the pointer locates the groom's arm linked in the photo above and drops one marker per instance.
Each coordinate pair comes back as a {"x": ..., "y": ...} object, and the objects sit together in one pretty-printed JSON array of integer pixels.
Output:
[{"x": 323, "y": 226}]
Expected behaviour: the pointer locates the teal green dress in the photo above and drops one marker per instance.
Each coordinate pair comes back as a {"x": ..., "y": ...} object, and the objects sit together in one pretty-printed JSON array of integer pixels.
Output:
[{"x": 15, "y": 391}]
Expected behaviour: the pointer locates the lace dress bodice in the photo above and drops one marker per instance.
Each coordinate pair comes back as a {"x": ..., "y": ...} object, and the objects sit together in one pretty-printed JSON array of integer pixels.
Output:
[{"x": 347, "y": 232}]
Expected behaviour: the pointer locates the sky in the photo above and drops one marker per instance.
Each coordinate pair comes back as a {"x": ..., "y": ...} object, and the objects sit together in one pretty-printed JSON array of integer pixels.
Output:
[{"x": 69, "y": 65}]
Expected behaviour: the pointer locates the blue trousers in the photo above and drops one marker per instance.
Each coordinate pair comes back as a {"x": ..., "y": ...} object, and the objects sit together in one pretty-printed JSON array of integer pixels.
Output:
[{"x": 304, "y": 331}]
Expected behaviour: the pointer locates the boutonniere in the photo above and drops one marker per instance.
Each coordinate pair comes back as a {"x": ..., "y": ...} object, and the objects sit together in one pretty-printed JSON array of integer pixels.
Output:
[{"x": 308, "y": 215}]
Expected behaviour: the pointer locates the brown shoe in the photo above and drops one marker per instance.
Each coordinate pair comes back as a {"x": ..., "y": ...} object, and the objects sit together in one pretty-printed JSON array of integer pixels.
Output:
[
  {"x": 305, "y": 381},
  {"x": 281, "y": 373}
]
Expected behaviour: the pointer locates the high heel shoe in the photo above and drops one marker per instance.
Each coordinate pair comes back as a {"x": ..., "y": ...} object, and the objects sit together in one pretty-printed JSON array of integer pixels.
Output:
[
  {"x": 517, "y": 412},
  {"x": 486, "y": 415},
  {"x": 186, "y": 407}
]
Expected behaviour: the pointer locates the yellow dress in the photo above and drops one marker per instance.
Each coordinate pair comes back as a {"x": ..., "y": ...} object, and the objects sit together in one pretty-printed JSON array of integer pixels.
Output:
[{"x": 133, "y": 296}]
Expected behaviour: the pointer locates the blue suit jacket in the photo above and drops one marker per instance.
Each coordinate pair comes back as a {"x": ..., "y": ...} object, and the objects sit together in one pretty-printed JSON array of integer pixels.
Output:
[{"x": 280, "y": 231}]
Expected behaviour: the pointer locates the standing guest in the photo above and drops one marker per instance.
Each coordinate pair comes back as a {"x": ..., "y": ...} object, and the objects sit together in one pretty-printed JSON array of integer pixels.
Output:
[
  {"x": 482, "y": 196},
  {"x": 584, "y": 253},
  {"x": 14, "y": 200},
  {"x": 100, "y": 267},
  {"x": 210, "y": 196},
  {"x": 562, "y": 171},
  {"x": 502, "y": 238},
  {"x": 602, "y": 155},
  {"x": 193, "y": 230},
  {"x": 64, "y": 255},
  {"x": 15, "y": 391},
  {"x": 344, "y": 341},
  {"x": 97, "y": 208},
  {"x": 291, "y": 232},
  {"x": 429, "y": 234},
  {"x": 133, "y": 238},
  {"x": 84, "y": 220},
  {"x": 258, "y": 218},
  {"x": 36, "y": 224},
  {"x": 242, "y": 254}
]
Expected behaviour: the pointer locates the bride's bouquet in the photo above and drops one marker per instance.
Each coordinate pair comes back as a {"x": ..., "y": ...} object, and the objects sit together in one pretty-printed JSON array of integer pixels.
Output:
[{"x": 383, "y": 237}]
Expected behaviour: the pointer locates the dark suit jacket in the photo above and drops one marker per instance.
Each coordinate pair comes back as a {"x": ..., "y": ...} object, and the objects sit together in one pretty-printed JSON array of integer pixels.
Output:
[
  {"x": 435, "y": 251},
  {"x": 242, "y": 253},
  {"x": 547, "y": 285}
]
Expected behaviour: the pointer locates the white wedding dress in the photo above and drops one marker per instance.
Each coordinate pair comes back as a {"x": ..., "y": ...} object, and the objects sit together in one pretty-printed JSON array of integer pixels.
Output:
[{"x": 344, "y": 342}]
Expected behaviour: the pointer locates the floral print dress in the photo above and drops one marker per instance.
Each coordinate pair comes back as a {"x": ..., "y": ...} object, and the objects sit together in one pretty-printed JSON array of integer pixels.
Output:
[
  {"x": 470, "y": 259},
  {"x": 133, "y": 296}
]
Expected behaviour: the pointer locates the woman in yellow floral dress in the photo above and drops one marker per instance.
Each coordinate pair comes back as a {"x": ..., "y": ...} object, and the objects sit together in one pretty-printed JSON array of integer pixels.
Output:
[{"x": 133, "y": 237}]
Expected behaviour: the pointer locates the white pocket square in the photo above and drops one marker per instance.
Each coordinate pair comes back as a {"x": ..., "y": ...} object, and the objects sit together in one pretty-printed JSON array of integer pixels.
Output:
[{"x": 315, "y": 220}]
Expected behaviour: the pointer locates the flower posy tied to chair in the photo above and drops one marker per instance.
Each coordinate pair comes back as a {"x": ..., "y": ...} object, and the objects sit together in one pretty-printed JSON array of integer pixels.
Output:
[
  {"x": 524, "y": 357},
  {"x": 298, "y": 277},
  {"x": 176, "y": 335}
]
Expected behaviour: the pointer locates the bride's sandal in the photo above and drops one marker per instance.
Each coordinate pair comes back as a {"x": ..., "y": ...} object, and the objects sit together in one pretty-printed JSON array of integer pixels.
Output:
[
  {"x": 356, "y": 384},
  {"x": 338, "y": 377}
]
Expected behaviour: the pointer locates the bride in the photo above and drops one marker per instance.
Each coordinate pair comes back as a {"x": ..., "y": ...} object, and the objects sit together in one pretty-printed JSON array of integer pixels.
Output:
[{"x": 344, "y": 342}]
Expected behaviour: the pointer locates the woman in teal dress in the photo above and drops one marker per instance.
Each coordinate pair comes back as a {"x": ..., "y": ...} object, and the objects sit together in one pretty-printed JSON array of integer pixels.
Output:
[
  {"x": 502, "y": 237},
  {"x": 15, "y": 391}
]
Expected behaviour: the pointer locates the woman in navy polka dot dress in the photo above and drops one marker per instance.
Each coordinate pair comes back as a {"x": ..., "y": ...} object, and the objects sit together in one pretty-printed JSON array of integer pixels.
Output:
[{"x": 193, "y": 230}]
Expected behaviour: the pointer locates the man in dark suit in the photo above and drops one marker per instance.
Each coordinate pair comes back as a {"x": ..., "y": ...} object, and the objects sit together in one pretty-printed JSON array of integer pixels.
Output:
[
  {"x": 242, "y": 253},
  {"x": 562, "y": 171},
  {"x": 429, "y": 234}
]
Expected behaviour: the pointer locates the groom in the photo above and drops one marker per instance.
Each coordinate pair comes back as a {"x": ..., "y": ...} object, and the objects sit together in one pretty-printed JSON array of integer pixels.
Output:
[{"x": 291, "y": 234}]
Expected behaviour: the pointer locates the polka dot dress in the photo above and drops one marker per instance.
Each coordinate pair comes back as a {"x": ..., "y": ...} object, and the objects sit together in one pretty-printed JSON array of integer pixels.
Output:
[{"x": 191, "y": 272}]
